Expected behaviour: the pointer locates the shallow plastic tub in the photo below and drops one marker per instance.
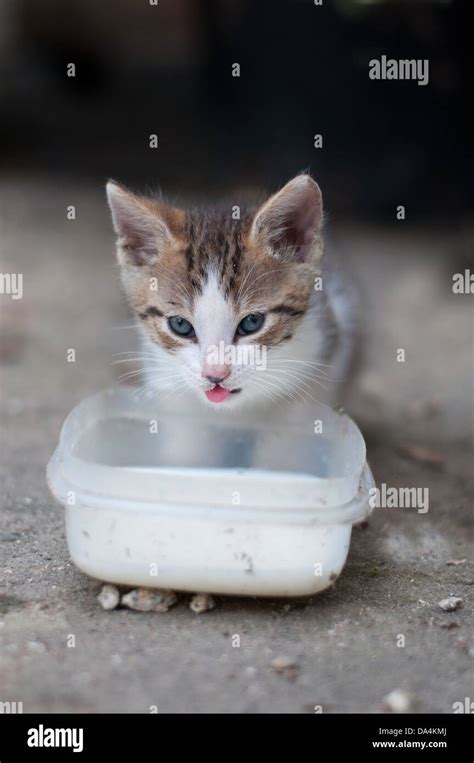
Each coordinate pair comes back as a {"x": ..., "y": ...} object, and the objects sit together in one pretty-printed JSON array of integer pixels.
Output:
[{"x": 196, "y": 503}]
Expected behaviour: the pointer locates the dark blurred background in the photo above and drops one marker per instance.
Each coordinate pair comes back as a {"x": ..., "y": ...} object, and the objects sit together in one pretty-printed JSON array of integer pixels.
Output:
[{"x": 166, "y": 69}]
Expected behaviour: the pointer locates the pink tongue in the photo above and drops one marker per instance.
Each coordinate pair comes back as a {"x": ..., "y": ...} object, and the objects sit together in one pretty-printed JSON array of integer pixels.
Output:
[{"x": 217, "y": 394}]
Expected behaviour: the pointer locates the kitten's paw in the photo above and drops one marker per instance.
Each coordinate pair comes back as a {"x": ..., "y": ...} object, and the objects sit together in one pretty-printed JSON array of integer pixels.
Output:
[
  {"x": 149, "y": 600},
  {"x": 202, "y": 602}
]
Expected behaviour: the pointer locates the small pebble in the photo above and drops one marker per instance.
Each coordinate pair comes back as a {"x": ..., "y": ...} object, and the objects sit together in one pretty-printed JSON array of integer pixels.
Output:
[
  {"x": 398, "y": 701},
  {"x": 456, "y": 562},
  {"x": 109, "y": 597},
  {"x": 149, "y": 600},
  {"x": 284, "y": 664},
  {"x": 451, "y": 603},
  {"x": 202, "y": 602}
]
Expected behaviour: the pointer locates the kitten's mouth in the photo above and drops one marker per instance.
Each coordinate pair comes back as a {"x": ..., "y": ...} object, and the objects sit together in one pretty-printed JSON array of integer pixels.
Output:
[{"x": 218, "y": 394}]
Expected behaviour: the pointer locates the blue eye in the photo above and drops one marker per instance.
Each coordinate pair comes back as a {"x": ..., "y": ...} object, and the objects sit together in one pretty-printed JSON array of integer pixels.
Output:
[
  {"x": 250, "y": 324},
  {"x": 180, "y": 326}
]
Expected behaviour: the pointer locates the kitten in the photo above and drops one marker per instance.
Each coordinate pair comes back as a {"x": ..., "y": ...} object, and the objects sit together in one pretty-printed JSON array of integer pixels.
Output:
[{"x": 241, "y": 314}]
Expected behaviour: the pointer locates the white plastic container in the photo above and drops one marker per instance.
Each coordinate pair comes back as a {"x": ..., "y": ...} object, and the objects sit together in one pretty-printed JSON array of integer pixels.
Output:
[{"x": 252, "y": 509}]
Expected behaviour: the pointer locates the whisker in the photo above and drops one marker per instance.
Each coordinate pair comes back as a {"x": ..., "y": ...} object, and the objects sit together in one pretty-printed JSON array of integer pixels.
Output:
[
  {"x": 129, "y": 374},
  {"x": 152, "y": 362},
  {"x": 296, "y": 391},
  {"x": 276, "y": 396},
  {"x": 295, "y": 375},
  {"x": 306, "y": 362},
  {"x": 282, "y": 391},
  {"x": 144, "y": 353},
  {"x": 310, "y": 375},
  {"x": 306, "y": 387}
]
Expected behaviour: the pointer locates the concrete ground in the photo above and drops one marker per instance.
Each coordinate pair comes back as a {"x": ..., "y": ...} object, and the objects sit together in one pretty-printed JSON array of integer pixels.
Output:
[{"x": 345, "y": 643}]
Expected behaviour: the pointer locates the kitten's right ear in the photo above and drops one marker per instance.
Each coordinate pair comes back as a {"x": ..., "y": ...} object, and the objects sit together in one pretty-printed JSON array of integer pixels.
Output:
[
  {"x": 141, "y": 225},
  {"x": 288, "y": 224}
]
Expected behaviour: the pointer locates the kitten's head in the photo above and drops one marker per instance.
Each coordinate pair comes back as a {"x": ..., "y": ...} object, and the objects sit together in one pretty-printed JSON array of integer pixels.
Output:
[{"x": 222, "y": 294}]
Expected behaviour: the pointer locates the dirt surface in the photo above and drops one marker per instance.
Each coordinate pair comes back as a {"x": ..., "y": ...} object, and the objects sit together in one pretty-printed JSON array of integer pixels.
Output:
[{"x": 344, "y": 644}]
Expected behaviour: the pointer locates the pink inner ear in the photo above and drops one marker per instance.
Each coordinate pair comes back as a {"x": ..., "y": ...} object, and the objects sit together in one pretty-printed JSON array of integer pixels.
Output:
[
  {"x": 302, "y": 224},
  {"x": 139, "y": 243}
]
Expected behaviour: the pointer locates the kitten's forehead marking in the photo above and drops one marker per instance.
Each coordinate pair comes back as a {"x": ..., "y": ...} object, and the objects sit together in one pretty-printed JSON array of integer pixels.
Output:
[
  {"x": 214, "y": 319},
  {"x": 214, "y": 242}
]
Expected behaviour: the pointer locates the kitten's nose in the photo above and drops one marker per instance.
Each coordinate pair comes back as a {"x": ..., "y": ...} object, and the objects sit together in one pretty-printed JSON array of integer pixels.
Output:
[{"x": 216, "y": 375}]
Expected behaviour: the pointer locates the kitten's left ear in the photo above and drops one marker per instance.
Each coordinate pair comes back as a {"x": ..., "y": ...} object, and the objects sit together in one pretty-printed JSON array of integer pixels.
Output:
[{"x": 288, "y": 224}]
